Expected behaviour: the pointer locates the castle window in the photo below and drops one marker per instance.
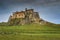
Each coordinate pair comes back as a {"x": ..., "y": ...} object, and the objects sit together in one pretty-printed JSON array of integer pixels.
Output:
[
  {"x": 22, "y": 15},
  {"x": 19, "y": 15},
  {"x": 16, "y": 15}
]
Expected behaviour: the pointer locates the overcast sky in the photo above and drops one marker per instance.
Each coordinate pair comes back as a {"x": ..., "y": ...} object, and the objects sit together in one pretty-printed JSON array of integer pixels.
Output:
[{"x": 49, "y": 10}]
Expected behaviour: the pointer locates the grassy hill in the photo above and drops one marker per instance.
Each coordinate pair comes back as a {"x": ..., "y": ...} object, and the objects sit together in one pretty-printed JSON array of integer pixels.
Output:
[{"x": 30, "y": 32}]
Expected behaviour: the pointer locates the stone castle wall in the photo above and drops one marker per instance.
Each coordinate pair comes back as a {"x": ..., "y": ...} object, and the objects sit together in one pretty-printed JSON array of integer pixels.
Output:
[{"x": 24, "y": 17}]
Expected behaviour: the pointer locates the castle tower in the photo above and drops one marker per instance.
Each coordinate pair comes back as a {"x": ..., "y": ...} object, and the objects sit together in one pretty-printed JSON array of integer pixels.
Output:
[{"x": 25, "y": 9}]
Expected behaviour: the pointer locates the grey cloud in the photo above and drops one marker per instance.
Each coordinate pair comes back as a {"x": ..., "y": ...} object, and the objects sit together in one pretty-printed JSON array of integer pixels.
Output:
[
  {"x": 26, "y": 1},
  {"x": 17, "y": 1},
  {"x": 46, "y": 2},
  {"x": 4, "y": 3}
]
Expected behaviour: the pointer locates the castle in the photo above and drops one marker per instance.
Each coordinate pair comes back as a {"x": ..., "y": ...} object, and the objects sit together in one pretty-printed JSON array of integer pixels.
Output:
[{"x": 24, "y": 17}]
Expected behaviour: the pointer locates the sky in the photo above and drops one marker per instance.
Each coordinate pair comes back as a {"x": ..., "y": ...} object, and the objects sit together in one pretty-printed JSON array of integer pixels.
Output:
[{"x": 49, "y": 10}]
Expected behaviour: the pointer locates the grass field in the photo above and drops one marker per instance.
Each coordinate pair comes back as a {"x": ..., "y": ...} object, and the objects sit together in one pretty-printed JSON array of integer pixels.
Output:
[{"x": 30, "y": 32}]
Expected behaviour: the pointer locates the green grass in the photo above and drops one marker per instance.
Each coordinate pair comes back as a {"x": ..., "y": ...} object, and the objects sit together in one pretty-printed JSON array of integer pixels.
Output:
[{"x": 30, "y": 32}]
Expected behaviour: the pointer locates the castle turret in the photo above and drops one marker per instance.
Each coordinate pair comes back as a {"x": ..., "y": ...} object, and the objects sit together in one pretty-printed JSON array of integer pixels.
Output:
[{"x": 25, "y": 9}]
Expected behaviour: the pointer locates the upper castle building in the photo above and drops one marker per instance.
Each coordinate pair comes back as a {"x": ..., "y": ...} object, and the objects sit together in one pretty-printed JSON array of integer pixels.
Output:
[{"x": 24, "y": 17}]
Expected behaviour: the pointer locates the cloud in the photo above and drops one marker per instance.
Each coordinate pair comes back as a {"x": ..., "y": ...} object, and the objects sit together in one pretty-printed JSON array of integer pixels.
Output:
[
  {"x": 4, "y": 4},
  {"x": 46, "y": 2},
  {"x": 24, "y": 2},
  {"x": 17, "y": 1}
]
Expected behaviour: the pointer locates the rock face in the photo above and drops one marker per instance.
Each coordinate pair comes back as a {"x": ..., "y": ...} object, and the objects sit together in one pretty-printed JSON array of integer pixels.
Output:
[{"x": 24, "y": 17}]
